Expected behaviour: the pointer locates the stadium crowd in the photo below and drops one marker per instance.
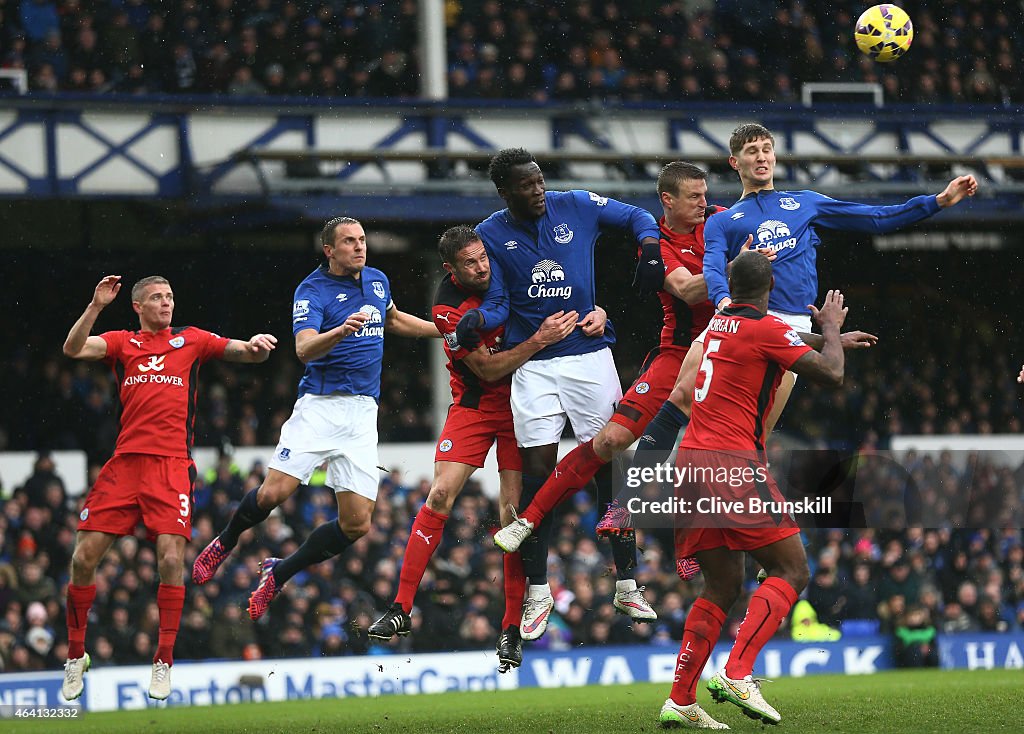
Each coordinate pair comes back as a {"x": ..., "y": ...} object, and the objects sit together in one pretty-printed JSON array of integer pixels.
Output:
[
  {"x": 863, "y": 580},
  {"x": 681, "y": 50}
]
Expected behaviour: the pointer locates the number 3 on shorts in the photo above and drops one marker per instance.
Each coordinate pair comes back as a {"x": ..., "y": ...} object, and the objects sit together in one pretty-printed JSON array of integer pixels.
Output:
[
  {"x": 183, "y": 499},
  {"x": 708, "y": 369}
]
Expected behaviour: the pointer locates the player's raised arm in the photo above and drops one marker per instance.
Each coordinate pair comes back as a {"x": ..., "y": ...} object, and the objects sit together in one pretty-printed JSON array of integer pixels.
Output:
[
  {"x": 881, "y": 219},
  {"x": 256, "y": 350},
  {"x": 79, "y": 345},
  {"x": 826, "y": 366},
  {"x": 492, "y": 367},
  {"x": 405, "y": 324}
]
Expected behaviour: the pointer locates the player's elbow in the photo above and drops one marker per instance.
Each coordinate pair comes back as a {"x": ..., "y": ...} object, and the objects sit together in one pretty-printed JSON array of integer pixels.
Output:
[{"x": 835, "y": 378}]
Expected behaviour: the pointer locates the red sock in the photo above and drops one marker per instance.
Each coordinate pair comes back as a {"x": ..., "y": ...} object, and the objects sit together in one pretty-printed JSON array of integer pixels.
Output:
[
  {"x": 515, "y": 587},
  {"x": 424, "y": 538},
  {"x": 80, "y": 600},
  {"x": 768, "y": 607},
  {"x": 570, "y": 476},
  {"x": 170, "y": 599},
  {"x": 703, "y": 626}
]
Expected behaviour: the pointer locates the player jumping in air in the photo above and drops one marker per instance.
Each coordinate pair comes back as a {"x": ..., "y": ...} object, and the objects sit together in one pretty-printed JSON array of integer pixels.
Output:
[
  {"x": 541, "y": 250},
  {"x": 745, "y": 355},
  {"x": 339, "y": 316},
  {"x": 151, "y": 474},
  {"x": 479, "y": 417}
]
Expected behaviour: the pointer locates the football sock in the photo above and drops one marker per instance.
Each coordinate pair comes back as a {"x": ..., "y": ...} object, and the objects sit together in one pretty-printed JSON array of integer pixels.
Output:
[
  {"x": 703, "y": 626},
  {"x": 624, "y": 555},
  {"x": 80, "y": 600},
  {"x": 515, "y": 587},
  {"x": 572, "y": 474},
  {"x": 660, "y": 434},
  {"x": 534, "y": 550},
  {"x": 768, "y": 607},
  {"x": 424, "y": 537},
  {"x": 170, "y": 599},
  {"x": 247, "y": 515},
  {"x": 326, "y": 541}
]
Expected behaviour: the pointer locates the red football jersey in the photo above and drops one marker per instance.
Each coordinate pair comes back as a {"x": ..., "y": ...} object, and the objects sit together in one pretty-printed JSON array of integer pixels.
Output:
[
  {"x": 157, "y": 379},
  {"x": 683, "y": 322},
  {"x": 745, "y": 355},
  {"x": 450, "y": 303}
]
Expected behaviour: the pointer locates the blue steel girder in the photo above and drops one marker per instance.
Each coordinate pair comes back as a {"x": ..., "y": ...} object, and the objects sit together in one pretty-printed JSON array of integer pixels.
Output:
[
  {"x": 34, "y": 185},
  {"x": 168, "y": 184},
  {"x": 285, "y": 123}
]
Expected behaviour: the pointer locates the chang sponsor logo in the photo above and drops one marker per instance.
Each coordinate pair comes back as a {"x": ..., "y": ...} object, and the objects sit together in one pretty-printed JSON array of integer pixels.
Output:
[
  {"x": 544, "y": 273},
  {"x": 374, "y": 318},
  {"x": 774, "y": 235}
]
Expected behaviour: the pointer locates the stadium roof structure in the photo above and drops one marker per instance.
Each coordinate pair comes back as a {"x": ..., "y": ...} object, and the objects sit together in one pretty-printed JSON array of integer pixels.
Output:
[{"x": 250, "y": 163}]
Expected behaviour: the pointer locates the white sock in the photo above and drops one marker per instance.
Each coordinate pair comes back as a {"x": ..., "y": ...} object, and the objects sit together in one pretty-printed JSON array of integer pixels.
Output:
[
  {"x": 625, "y": 585},
  {"x": 539, "y": 591}
]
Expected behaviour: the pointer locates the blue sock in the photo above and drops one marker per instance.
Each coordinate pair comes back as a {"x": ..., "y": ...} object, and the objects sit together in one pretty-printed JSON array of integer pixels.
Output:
[
  {"x": 246, "y": 515},
  {"x": 534, "y": 549},
  {"x": 662, "y": 432},
  {"x": 326, "y": 541}
]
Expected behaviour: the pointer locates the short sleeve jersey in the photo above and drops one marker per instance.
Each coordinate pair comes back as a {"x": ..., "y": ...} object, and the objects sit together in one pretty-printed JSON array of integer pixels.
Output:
[
  {"x": 683, "y": 322},
  {"x": 745, "y": 355},
  {"x": 157, "y": 380},
  {"x": 450, "y": 303},
  {"x": 324, "y": 301}
]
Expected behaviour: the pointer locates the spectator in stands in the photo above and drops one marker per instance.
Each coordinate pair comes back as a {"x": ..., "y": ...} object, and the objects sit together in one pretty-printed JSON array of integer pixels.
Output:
[{"x": 915, "y": 640}]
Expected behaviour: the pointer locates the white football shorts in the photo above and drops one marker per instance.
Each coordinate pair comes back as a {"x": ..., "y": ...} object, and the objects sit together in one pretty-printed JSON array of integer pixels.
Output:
[
  {"x": 340, "y": 430},
  {"x": 584, "y": 388}
]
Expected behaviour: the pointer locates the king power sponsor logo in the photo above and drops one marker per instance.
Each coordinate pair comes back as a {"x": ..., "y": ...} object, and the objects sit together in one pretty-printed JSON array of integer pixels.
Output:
[{"x": 544, "y": 274}]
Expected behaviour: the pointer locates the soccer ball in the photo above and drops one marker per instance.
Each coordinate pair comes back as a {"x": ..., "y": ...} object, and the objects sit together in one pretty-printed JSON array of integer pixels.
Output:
[{"x": 884, "y": 32}]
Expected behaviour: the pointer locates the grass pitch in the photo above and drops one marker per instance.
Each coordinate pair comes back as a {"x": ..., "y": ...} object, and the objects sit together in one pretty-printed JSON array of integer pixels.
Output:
[{"x": 896, "y": 701}]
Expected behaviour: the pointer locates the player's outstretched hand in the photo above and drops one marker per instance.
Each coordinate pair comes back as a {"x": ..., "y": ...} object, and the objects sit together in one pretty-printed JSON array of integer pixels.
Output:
[
  {"x": 650, "y": 268},
  {"x": 556, "y": 327},
  {"x": 593, "y": 324},
  {"x": 832, "y": 313},
  {"x": 262, "y": 344},
  {"x": 857, "y": 340},
  {"x": 354, "y": 323},
  {"x": 958, "y": 188},
  {"x": 467, "y": 331},
  {"x": 106, "y": 290},
  {"x": 1020, "y": 377},
  {"x": 766, "y": 251}
]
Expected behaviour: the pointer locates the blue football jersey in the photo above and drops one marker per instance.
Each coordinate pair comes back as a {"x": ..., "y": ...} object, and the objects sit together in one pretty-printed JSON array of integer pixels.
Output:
[
  {"x": 322, "y": 302},
  {"x": 785, "y": 222},
  {"x": 547, "y": 265}
]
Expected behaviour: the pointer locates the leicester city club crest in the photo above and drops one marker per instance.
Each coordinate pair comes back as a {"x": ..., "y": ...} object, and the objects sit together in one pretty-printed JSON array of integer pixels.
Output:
[
  {"x": 563, "y": 235},
  {"x": 789, "y": 203},
  {"x": 378, "y": 289},
  {"x": 178, "y": 342}
]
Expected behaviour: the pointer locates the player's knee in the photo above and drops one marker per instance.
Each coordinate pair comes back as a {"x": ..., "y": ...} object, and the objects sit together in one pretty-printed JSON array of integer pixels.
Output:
[
  {"x": 682, "y": 399},
  {"x": 354, "y": 527},
  {"x": 83, "y": 561},
  {"x": 272, "y": 494},
  {"x": 440, "y": 499},
  {"x": 170, "y": 566},
  {"x": 613, "y": 439}
]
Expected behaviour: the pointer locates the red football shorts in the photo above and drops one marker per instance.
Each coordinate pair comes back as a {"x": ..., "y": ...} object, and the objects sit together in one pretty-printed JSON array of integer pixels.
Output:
[
  {"x": 725, "y": 495},
  {"x": 468, "y": 434},
  {"x": 651, "y": 390},
  {"x": 154, "y": 489}
]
